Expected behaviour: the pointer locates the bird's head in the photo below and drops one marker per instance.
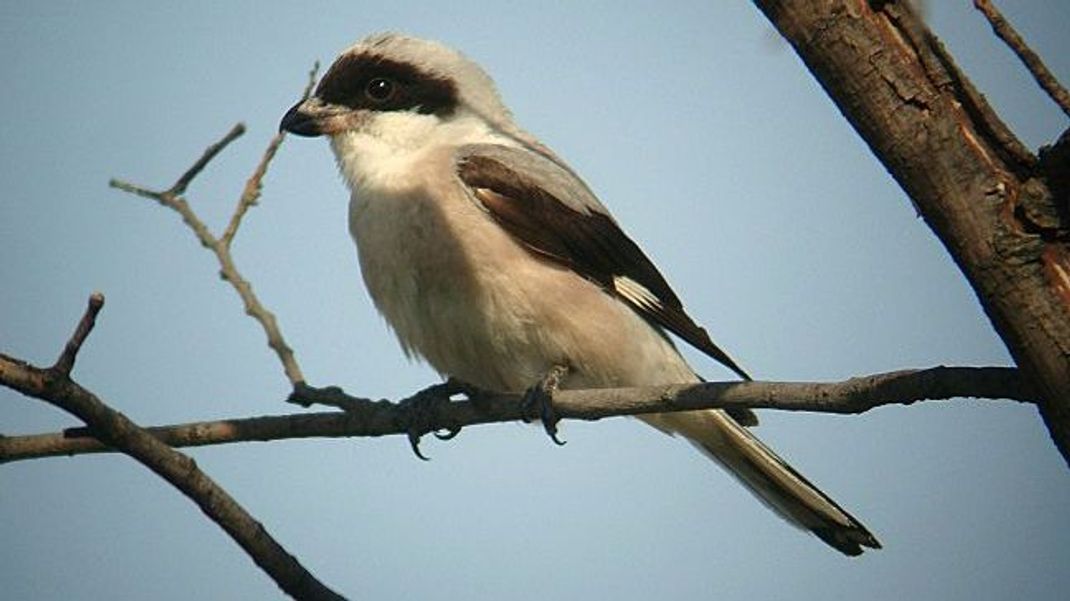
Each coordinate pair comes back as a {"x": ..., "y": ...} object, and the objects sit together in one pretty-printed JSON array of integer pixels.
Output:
[{"x": 397, "y": 87}]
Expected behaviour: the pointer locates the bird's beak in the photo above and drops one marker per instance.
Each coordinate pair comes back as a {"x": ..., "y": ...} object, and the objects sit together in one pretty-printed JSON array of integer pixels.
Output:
[{"x": 313, "y": 117}]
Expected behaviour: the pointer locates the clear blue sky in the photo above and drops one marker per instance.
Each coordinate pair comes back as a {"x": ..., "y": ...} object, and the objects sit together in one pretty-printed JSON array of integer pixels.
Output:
[{"x": 711, "y": 144}]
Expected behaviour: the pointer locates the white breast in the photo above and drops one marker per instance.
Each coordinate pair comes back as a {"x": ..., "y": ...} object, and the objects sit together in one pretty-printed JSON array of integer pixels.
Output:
[{"x": 463, "y": 294}]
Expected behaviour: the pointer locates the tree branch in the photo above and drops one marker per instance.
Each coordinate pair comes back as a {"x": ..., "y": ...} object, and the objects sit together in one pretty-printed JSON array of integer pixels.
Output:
[
  {"x": 963, "y": 169},
  {"x": 1006, "y": 32},
  {"x": 251, "y": 193},
  {"x": 65, "y": 362},
  {"x": 363, "y": 417},
  {"x": 114, "y": 429},
  {"x": 220, "y": 247}
]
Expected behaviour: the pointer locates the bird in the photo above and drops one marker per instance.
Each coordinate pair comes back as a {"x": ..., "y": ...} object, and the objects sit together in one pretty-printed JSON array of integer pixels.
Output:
[{"x": 493, "y": 261}]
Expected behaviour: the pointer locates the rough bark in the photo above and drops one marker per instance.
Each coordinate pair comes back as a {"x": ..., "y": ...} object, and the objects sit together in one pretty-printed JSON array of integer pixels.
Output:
[{"x": 999, "y": 210}]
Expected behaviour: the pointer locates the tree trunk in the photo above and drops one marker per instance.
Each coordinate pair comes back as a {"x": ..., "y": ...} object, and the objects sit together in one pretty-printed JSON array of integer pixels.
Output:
[{"x": 1000, "y": 211}]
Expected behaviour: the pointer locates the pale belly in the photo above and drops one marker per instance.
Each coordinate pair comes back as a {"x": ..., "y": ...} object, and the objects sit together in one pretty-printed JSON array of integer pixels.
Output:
[{"x": 463, "y": 295}]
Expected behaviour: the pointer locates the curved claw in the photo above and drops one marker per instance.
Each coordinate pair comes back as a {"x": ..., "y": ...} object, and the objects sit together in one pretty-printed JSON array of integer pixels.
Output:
[
  {"x": 549, "y": 419},
  {"x": 551, "y": 431},
  {"x": 421, "y": 415},
  {"x": 540, "y": 397},
  {"x": 414, "y": 443}
]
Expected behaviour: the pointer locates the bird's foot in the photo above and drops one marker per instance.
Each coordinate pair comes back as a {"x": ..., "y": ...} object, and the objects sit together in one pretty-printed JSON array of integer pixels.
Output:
[
  {"x": 538, "y": 401},
  {"x": 421, "y": 414}
]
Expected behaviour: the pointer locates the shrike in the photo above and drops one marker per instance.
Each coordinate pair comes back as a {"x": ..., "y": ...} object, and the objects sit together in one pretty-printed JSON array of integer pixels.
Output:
[{"x": 493, "y": 261}]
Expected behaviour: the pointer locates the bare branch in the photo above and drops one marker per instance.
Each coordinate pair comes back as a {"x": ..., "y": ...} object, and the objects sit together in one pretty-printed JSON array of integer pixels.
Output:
[
  {"x": 1030, "y": 59},
  {"x": 116, "y": 430},
  {"x": 65, "y": 363},
  {"x": 179, "y": 188},
  {"x": 251, "y": 193},
  {"x": 363, "y": 417},
  {"x": 172, "y": 198}
]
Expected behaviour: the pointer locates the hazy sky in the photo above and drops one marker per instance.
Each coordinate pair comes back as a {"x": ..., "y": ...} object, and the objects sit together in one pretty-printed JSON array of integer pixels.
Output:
[{"x": 712, "y": 145}]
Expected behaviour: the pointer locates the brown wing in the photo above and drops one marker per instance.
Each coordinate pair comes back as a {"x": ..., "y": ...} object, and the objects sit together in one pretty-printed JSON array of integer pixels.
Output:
[{"x": 580, "y": 235}]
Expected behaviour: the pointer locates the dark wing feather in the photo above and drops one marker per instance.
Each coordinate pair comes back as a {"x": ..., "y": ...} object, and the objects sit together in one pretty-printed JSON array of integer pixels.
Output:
[{"x": 579, "y": 234}]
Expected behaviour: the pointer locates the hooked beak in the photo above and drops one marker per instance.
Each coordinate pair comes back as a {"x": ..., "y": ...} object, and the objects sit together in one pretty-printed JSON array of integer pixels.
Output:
[{"x": 312, "y": 117}]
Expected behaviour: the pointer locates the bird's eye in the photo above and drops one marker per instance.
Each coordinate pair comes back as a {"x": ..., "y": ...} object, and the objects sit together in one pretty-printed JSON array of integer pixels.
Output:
[{"x": 379, "y": 89}]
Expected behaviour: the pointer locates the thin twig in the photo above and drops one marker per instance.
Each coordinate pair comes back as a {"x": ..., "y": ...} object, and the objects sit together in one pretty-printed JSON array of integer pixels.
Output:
[
  {"x": 65, "y": 363},
  {"x": 251, "y": 193},
  {"x": 1030, "y": 59},
  {"x": 179, "y": 188},
  {"x": 363, "y": 417},
  {"x": 55, "y": 386},
  {"x": 220, "y": 247},
  {"x": 172, "y": 197}
]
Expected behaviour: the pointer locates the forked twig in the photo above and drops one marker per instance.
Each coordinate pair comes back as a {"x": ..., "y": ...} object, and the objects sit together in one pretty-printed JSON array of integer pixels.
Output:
[{"x": 172, "y": 198}]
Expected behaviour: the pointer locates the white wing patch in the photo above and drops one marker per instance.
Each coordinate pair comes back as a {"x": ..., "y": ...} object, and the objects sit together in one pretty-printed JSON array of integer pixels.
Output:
[{"x": 636, "y": 293}]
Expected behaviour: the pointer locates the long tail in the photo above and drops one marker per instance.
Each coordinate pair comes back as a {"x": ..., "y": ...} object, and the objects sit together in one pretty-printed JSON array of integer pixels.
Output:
[{"x": 768, "y": 476}]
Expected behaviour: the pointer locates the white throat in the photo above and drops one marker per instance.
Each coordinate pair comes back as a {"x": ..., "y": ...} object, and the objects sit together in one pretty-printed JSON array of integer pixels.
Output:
[{"x": 380, "y": 156}]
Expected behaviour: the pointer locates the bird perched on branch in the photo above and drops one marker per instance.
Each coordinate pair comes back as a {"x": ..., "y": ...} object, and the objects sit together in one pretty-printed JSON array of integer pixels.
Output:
[{"x": 494, "y": 262}]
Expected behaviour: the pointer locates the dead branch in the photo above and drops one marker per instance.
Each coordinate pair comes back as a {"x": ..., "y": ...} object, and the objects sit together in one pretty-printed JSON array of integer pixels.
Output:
[
  {"x": 364, "y": 417},
  {"x": 55, "y": 386},
  {"x": 221, "y": 248},
  {"x": 172, "y": 198},
  {"x": 251, "y": 193}
]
